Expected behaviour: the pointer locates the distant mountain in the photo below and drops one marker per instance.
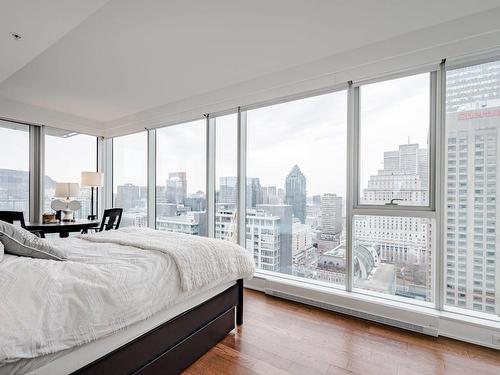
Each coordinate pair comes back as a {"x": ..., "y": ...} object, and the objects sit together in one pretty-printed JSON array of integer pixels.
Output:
[{"x": 15, "y": 180}]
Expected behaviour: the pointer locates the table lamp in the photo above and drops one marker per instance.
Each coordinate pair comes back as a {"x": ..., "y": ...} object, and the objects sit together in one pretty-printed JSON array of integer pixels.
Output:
[
  {"x": 92, "y": 180},
  {"x": 67, "y": 190}
]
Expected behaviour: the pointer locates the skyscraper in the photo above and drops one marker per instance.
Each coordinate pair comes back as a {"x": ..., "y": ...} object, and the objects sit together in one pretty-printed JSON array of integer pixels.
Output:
[
  {"x": 176, "y": 187},
  {"x": 295, "y": 193}
]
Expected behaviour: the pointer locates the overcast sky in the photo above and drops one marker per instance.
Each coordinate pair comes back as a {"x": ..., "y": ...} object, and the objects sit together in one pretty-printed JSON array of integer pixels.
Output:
[{"x": 311, "y": 133}]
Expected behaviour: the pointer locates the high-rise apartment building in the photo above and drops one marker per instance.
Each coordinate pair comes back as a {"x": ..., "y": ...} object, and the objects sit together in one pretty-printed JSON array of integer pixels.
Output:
[
  {"x": 263, "y": 238},
  {"x": 473, "y": 168},
  {"x": 295, "y": 193},
  {"x": 472, "y": 246}
]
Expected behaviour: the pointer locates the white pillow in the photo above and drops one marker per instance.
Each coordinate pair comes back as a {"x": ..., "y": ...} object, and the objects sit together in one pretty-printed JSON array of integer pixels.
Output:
[
  {"x": 19, "y": 241},
  {"x": 1, "y": 251}
]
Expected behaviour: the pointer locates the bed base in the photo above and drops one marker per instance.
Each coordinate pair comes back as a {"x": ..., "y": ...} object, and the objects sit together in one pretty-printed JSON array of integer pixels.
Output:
[{"x": 174, "y": 345}]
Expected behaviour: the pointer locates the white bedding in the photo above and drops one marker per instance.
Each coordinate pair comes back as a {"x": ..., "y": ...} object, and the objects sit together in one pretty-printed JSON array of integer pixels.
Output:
[
  {"x": 69, "y": 360},
  {"x": 48, "y": 306}
]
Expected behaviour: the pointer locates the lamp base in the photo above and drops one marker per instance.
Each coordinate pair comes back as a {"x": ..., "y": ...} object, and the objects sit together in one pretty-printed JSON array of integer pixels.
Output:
[
  {"x": 67, "y": 216},
  {"x": 92, "y": 217}
]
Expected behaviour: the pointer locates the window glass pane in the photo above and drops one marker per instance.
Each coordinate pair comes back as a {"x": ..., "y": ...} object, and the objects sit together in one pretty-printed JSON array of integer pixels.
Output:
[
  {"x": 394, "y": 135},
  {"x": 296, "y": 187},
  {"x": 67, "y": 155},
  {"x": 130, "y": 178},
  {"x": 393, "y": 255},
  {"x": 472, "y": 208},
  {"x": 181, "y": 178},
  {"x": 226, "y": 170},
  {"x": 14, "y": 167}
]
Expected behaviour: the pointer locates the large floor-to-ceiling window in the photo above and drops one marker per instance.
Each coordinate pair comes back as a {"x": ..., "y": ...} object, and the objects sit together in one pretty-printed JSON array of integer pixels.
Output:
[
  {"x": 181, "y": 178},
  {"x": 67, "y": 155},
  {"x": 296, "y": 187},
  {"x": 472, "y": 272},
  {"x": 393, "y": 253},
  {"x": 14, "y": 167},
  {"x": 130, "y": 178}
]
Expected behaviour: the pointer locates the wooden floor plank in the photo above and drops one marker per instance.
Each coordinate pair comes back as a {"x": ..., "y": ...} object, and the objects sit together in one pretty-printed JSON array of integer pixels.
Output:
[{"x": 280, "y": 337}]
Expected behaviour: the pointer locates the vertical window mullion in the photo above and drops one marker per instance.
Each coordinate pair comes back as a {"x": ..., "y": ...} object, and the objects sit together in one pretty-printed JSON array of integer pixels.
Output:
[
  {"x": 211, "y": 129},
  {"x": 440, "y": 186},
  {"x": 242, "y": 176},
  {"x": 36, "y": 171},
  {"x": 151, "y": 178},
  {"x": 352, "y": 176}
]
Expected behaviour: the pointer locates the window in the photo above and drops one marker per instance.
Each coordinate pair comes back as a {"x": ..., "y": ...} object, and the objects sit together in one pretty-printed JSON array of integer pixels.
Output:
[
  {"x": 14, "y": 167},
  {"x": 394, "y": 135},
  {"x": 393, "y": 255},
  {"x": 130, "y": 178},
  {"x": 473, "y": 117},
  {"x": 67, "y": 154},
  {"x": 181, "y": 178},
  {"x": 226, "y": 172},
  {"x": 296, "y": 186}
]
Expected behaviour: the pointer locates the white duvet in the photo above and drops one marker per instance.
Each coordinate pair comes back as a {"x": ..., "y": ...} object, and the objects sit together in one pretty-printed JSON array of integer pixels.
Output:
[{"x": 47, "y": 306}]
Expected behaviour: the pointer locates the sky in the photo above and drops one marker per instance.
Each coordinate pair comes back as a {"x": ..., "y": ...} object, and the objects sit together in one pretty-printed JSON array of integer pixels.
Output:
[{"x": 311, "y": 133}]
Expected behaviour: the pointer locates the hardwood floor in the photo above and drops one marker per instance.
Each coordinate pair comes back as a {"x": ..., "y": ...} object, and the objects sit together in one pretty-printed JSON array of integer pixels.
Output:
[{"x": 281, "y": 337}]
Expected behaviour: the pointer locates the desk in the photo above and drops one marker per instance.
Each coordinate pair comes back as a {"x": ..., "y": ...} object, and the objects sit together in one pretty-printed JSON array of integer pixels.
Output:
[{"x": 64, "y": 227}]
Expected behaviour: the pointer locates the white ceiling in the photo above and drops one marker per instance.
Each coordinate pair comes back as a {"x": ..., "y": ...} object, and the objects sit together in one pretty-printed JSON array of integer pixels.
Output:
[
  {"x": 129, "y": 56},
  {"x": 40, "y": 24}
]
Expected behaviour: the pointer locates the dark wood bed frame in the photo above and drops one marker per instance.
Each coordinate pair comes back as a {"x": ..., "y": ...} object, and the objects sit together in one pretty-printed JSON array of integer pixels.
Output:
[{"x": 174, "y": 345}]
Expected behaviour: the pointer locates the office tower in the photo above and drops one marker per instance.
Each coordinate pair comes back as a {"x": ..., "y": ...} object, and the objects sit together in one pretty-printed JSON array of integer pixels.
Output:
[
  {"x": 331, "y": 214},
  {"x": 176, "y": 187},
  {"x": 404, "y": 177},
  {"x": 295, "y": 193},
  {"x": 472, "y": 87},
  {"x": 302, "y": 248}
]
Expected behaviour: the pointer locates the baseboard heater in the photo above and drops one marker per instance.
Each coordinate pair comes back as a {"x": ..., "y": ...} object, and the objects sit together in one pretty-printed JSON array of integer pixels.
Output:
[{"x": 426, "y": 330}]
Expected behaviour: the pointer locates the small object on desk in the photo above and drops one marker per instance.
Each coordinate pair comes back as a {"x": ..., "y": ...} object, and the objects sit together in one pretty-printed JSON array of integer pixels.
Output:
[{"x": 49, "y": 218}]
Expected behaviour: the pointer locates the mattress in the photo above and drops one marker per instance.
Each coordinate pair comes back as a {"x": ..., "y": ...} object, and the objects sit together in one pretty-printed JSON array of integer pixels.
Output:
[{"x": 69, "y": 360}]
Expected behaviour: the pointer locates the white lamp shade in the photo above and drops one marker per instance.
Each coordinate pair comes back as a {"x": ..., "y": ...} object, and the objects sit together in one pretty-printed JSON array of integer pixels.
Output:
[
  {"x": 91, "y": 179},
  {"x": 67, "y": 189}
]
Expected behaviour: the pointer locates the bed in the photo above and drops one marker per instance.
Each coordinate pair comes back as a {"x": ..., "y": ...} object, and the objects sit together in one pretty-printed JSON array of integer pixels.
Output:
[{"x": 153, "y": 326}]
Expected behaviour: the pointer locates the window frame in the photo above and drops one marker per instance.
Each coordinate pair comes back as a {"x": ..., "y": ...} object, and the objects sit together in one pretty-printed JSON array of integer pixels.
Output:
[{"x": 432, "y": 211}]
